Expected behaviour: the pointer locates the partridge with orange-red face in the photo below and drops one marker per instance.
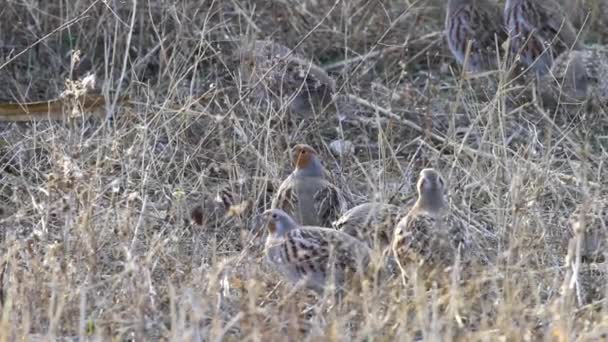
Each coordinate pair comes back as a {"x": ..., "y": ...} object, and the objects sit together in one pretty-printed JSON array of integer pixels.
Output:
[{"x": 306, "y": 194}]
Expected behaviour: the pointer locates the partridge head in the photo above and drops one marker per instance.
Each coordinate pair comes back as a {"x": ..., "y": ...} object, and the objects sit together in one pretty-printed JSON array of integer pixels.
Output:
[
  {"x": 306, "y": 161},
  {"x": 431, "y": 193}
]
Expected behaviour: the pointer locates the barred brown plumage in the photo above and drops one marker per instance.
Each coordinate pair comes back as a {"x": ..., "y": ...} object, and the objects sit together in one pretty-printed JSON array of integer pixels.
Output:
[
  {"x": 539, "y": 31},
  {"x": 578, "y": 76},
  {"x": 278, "y": 73},
  {"x": 311, "y": 254},
  {"x": 478, "y": 23},
  {"x": 371, "y": 222}
]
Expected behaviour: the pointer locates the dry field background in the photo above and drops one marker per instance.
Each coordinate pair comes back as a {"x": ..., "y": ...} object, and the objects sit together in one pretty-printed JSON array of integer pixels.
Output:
[{"x": 97, "y": 236}]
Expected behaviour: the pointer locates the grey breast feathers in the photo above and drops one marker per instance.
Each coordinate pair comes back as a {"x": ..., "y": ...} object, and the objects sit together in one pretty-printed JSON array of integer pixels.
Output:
[
  {"x": 314, "y": 202},
  {"x": 372, "y": 223},
  {"x": 424, "y": 239}
]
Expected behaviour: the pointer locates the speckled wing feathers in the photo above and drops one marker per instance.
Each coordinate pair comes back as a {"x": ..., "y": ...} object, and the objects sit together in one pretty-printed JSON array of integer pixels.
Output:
[
  {"x": 481, "y": 24},
  {"x": 540, "y": 32},
  {"x": 323, "y": 244},
  {"x": 314, "y": 88},
  {"x": 559, "y": 28},
  {"x": 313, "y": 254},
  {"x": 329, "y": 204},
  {"x": 325, "y": 205},
  {"x": 286, "y": 198},
  {"x": 579, "y": 74},
  {"x": 277, "y": 71},
  {"x": 373, "y": 223},
  {"x": 424, "y": 239}
]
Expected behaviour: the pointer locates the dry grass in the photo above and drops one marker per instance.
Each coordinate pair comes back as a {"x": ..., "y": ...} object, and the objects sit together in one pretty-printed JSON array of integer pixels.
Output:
[{"x": 97, "y": 238}]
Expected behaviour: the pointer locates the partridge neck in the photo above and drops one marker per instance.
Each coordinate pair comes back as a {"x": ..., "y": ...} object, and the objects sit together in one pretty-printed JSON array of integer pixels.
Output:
[
  {"x": 432, "y": 203},
  {"x": 284, "y": 227},
  {"x": 313, "y": 169}
]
